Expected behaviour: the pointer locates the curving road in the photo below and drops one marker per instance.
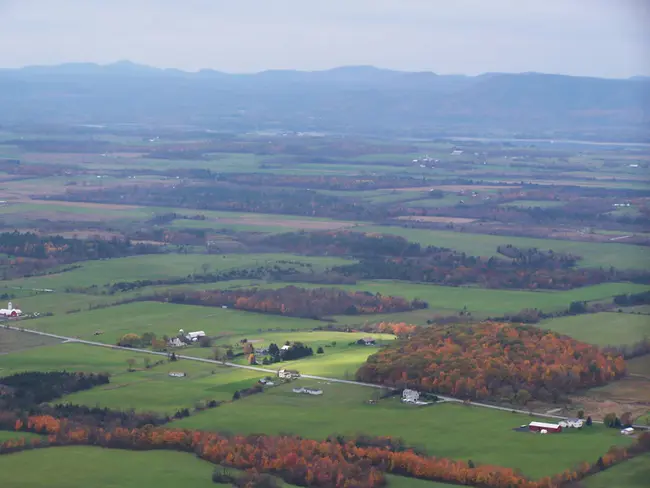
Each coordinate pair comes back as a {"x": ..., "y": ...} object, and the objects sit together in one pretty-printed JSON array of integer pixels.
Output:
[{"x": 274, "y": 372}]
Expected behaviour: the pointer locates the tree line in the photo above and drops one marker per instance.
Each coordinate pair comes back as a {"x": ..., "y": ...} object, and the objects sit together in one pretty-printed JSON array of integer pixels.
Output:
[
  {"x": 491, "y": 360},
  {"x": 23, "y": 390},
  {"x": 293, "y": 301},
  {"x": 333, "y": 463}
]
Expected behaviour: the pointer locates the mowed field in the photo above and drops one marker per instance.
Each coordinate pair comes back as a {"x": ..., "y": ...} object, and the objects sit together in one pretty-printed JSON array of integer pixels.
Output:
[
  {"x": 602, "y": 329},
  {"x": 82, "y": 467},
  {"x": 164, "y": 319},
  {"x": 456, "y": 431},
  {"x": 594, "y": 254},
  {"x": 480, "y": 300},
  {"x": 634, "y": 473}
]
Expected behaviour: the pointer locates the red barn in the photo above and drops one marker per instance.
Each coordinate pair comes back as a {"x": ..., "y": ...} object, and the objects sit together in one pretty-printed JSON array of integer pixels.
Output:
[{"x": 540, "y": 426}]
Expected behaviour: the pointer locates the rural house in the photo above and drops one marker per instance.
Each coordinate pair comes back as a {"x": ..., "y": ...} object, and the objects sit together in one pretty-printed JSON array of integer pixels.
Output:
[
  {"x": 544, "y": 427},
  {"x": 288, "y": 374}
]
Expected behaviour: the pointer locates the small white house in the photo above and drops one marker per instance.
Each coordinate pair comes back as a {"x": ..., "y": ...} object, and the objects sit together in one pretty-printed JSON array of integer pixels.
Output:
[
  {"x": 288, "y": 374},
  {"x": 177, "y": 374},
  {"x": 175, "y": 342},
  {"x": 627, "y": 431},
  {"x": 456, "y": 152},
  {"x": 285, "y": 348},
  {"x": 571, "y": 423},
  {"x": 368, "y": 341}
]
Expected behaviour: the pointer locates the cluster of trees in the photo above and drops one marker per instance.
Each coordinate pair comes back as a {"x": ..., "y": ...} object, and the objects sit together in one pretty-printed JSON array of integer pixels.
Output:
[
  {"x": 145, "y": 340},
  {"x": 226, "y": 196},
  {"x": 334, "y": 463},
  {"x": 632, "y": 299},
  {"x": 293, "y": 301},
  {"x": 81, "y": 414},
  {"x": 24, "y": 390},
  {"x": 349, "y": 243},
  {"x": 325, "y": 182},
  {"x": 392, "y": 257},
  {"x": 532, "y": 256},
  {"x": 454, "y": 269},
  {"x": 30, "y": 245},
  {"x": 281, "y": 270},
  {"x": 629, "y": 351},
  {"x": 294, "y": 351},
  {"x": 492, "y": 360}
]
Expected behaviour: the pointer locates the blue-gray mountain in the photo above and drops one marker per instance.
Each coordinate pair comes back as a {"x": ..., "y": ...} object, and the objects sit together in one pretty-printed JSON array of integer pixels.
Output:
[{"x": 357, "y": 99}]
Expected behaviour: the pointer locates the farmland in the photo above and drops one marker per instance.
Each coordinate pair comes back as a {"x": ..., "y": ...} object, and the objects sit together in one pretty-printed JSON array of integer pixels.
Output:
[
  {"x": 59, "y": 468},
  {"x": 207, "y": 206},
  {"x": 342, "y": 410},
  {"x": 603, "y": 329},
  {"x": 633, "y": 474}
]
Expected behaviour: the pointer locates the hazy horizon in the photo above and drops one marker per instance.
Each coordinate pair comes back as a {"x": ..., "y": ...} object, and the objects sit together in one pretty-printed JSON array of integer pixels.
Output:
[{"x": 596, "y": 38}]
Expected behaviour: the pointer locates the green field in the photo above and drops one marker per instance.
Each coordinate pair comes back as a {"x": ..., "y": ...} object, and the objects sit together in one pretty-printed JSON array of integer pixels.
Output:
[
  {"x": 602, "y": 329},
  {"x": 455, "y": 431},
  {"x": 13, "y": 341},
  {"x": 534, "y": 203},
  {"x": 83, "y": 467},
  {"x": 164, "y": 319},
  {"x": 69, "y": 357},
  {"x": 483, "y": 301},
  {"x": 594, "y": 254},
  {"x": 154, "y": 390},
  {"x": 159, "y": 266},
  {"x": 634, "y": 473},
  {"x": 6, "y": 435}
]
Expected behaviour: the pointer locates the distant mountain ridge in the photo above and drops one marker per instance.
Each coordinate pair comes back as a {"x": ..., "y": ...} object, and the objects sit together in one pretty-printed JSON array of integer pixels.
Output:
[{"x": 348, "y": 99}]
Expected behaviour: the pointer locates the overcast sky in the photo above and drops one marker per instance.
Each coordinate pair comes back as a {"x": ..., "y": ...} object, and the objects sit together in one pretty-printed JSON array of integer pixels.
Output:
[{"x": 582, "y": 37}]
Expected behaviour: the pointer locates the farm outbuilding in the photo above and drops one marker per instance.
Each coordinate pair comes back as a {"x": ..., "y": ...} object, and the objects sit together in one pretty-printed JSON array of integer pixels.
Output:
[
  {"x": 540, "y": 426},
  {"x": 10, "y": 311}
]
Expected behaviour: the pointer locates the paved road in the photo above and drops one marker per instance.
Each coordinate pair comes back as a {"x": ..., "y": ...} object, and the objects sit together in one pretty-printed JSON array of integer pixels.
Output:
[{"x": 274, "y": 372}]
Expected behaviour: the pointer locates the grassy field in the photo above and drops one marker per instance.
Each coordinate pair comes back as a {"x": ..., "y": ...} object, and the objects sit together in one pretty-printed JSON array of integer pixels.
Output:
[
  {"x": 340, "y": 358},
  {"x": 143, "y": 389},
  {"x": 160, "y": 266},
  {"x": 533, "y": 203},
  {"x": 455, "y": 431},
  {"x": 164, "y": 319},
  {"x": 485, "y": 301},
  {"x": 403, "y": 482},
  {"x": 81, "y": 467},
  {"x": 634, "y": 473},
  {"x": 602, "y": 329},
  {"x": 594, "y": 254},
  {"x": 69, "y": 357},
  {"x": 154, "y": 390},
  {"x": 13, "y": 341},
  {"x": 6, "y": 435}
]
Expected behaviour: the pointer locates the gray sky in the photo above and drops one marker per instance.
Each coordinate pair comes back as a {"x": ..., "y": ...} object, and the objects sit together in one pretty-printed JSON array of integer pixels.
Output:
[{"x": 582, "y": 37}]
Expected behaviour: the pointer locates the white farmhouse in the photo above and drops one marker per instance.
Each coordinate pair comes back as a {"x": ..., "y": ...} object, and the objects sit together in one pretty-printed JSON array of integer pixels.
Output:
[{"x": 10, "y": 311}]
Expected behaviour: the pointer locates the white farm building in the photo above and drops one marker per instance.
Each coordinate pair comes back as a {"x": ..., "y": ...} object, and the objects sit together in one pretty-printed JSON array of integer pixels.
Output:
[{"x": 10, "y": 311}]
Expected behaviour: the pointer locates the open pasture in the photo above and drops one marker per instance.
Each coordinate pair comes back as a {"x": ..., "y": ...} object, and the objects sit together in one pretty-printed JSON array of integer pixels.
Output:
[
  {"x": 621, "y": 256},
  {"x": 160, "y": 266},
  {"x": 81, "y": 467},
  {"x": 69, "y": 357},
  {"x": 164, "y": 319},
  {"x": 602, "y": 329},
  {"x": 455, "y": 431},
  {"x": 634, "y": 473},
  {"x": 154, "y": 390},
  {"x": 7, "y": 435},
  {"x": 14, "y": 341},
  {"x": 480, "y": 301}
]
